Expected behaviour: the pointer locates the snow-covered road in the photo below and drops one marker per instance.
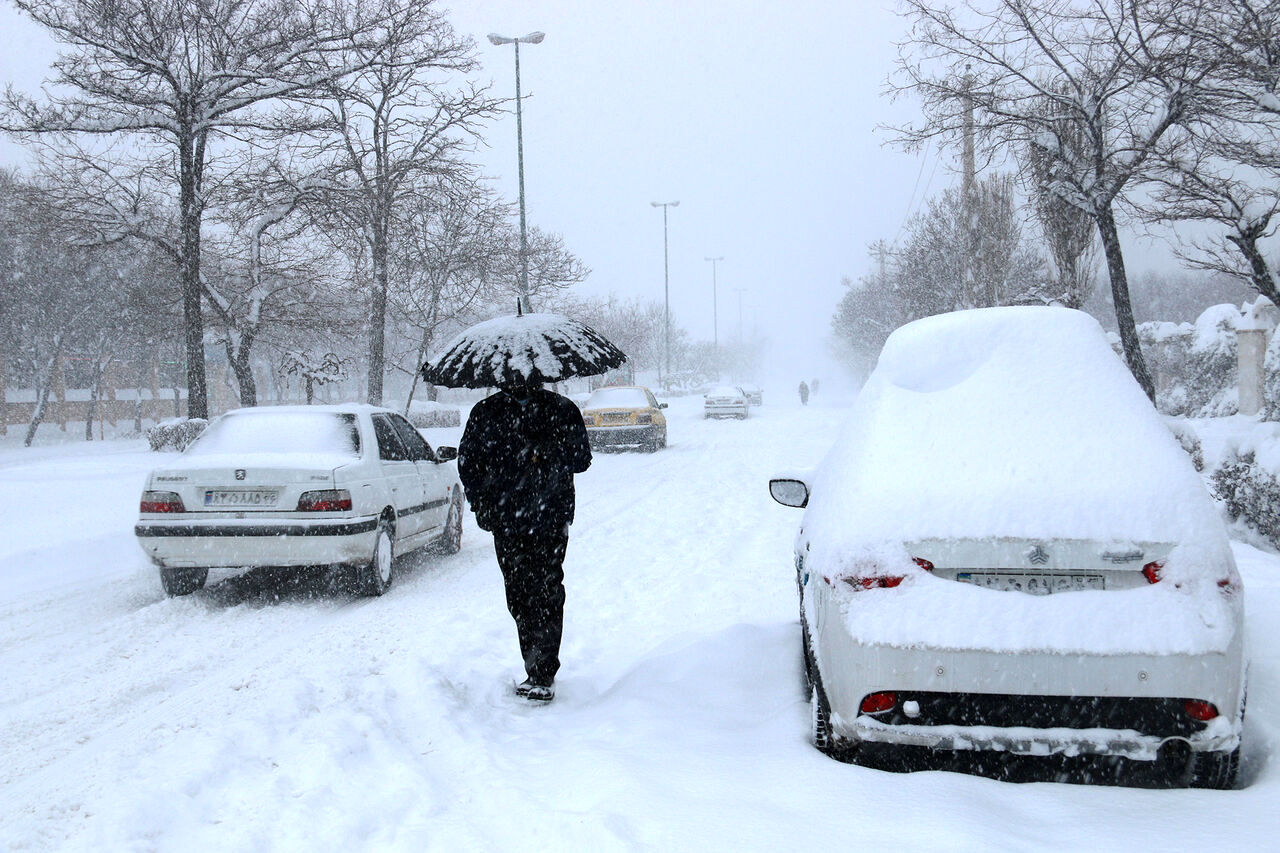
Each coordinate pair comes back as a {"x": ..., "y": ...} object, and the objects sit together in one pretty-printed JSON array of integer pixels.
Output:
[{"x": 269, "y": 713}]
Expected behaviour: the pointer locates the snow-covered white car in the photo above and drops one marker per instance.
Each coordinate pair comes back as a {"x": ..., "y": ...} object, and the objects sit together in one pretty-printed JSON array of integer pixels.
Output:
[
  {"x": 725, "y": 401},
  {"x": 1008, "y": 554},
  {"x": 300, "y": 486},
  {"x": 753, "y": 392}
]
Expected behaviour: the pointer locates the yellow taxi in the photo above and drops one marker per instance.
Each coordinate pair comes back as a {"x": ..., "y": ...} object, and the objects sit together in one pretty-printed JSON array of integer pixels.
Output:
[{"x": 625, "y": 416}]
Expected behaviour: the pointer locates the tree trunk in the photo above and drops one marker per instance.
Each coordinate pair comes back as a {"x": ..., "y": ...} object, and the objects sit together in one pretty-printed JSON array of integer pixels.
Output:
[
  {"x": 189, "y": 210},
  {"x": 378, "y": 315},
  {"x": 93, "y": 405},
  {"x": 42, "y": 400},
  {"x": 238, "y": 358},
  {"x": 1120, "y": 296},
  {"x": 1259, "y": 269},
  {"x": 311, "y": 390}
]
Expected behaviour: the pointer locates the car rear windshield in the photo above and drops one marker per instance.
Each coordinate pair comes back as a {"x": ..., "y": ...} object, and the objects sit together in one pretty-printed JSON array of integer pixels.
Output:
[
  {"x": 280, "y": 432},
  {"x": 618, "y": 398},
  {"x": 725, "y": 391}
]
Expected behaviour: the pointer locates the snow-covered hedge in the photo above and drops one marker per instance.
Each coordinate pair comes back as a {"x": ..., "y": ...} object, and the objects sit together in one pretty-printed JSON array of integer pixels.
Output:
[
  {"x": 1250, "y": 492},
  {"x": 175, "y": 433},
  {"x": 1195, "y": 364},
  {"x": 425, "y": 414}
]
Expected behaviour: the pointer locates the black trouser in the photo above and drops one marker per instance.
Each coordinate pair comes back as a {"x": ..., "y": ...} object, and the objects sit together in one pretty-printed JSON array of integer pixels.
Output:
[{"x": 532, "y": 564}]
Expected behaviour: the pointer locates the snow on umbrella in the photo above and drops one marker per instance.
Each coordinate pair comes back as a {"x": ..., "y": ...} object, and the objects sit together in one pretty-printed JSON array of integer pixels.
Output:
[{"x": 531, "y": 348}]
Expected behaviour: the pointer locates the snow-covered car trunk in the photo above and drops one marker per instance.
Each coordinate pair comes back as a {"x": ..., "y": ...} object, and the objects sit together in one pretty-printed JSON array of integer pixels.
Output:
[{"x": 1009, "y": 551}]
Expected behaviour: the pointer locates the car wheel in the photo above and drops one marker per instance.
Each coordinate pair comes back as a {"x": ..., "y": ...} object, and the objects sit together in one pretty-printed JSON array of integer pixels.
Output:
[
  {"x": 1215, "y": 769},
  {"x": 377, "y": 572},
  {"x": 182, "y": 581},
  {"x": 450, "y": 541},
  {"x": 821, "y": 715},
  {"x": 662, "y": 442}
]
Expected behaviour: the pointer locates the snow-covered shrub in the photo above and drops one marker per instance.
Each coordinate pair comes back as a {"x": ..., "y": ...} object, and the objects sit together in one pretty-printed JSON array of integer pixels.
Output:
[
  {"x": 425, "y": 414},
  {"x": 175, "y": 433},
  {"x": 1195, "y": 366},
  {"x": 1190, "y": 442},
  {"x": 1271, "y": 380},
  {"x": 1250, "y": 492}
]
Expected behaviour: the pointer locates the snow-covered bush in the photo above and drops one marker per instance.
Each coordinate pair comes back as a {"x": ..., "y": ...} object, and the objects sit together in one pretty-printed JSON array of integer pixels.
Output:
[
  {"x": 1271, "y": 380},
  {"x": 175, "y": 433},
  {"x": 1195, "y": 365},
  {"x": 425, "y": 414},
  {"x": 1190, "y": 442},
  {"x": 1250, "y": 492}
]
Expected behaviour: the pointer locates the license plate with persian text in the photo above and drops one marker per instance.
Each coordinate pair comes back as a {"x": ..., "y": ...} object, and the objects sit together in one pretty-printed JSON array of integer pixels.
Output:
[
  {"x": 241, "y": 497},
  {"x": 1033, "y": 584}
]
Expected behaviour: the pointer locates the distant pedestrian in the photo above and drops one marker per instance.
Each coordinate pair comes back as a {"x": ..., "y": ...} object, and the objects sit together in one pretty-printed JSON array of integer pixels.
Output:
[
  {"x": 518, "y": 454},
  {"x": 804, "y": 393}
]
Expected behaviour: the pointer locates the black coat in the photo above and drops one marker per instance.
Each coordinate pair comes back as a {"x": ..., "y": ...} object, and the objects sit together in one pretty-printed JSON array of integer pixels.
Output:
[{"x": 517, "y": 460}]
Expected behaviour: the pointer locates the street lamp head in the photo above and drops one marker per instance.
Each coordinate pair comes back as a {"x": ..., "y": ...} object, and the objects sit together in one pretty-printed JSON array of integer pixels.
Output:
[
  {"x": 494, "y": 38},
  {"x": 533, "y": 38},
  {"x": 665, "y": 203}
]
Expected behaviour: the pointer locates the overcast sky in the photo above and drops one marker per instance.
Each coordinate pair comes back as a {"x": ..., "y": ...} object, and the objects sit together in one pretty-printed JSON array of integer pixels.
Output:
[{"x": 759, "y": 118}]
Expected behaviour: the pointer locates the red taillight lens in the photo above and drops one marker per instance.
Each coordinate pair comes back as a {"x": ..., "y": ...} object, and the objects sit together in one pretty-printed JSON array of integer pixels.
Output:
[
  {"x": 875, "y": 703},
  {"x": 874, "y": 583},
  {"x": 329, "y": 500},
  {"x": 1200, "y": 710},
  {"x": 923, "y": 563},
  {"x": 161, "y": 502},
  {"x": 1151, "y": 571}
]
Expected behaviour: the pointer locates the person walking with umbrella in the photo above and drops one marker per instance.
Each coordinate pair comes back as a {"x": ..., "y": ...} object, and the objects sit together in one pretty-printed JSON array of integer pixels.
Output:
[{"x": 519, "y": 453}]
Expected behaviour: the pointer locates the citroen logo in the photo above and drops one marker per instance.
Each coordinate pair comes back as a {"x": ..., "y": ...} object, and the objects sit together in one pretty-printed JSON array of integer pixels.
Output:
[
  {"x": 239, "y": 473},
  {"x": 1038, "y": 555}
]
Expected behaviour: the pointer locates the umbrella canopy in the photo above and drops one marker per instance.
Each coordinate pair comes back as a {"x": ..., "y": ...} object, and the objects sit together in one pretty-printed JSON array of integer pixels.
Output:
[{"x": 527, "y": 349}]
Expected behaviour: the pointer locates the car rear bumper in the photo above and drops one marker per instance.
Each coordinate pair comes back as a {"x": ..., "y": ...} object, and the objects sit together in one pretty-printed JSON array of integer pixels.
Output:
[
  {"x": 620, "y": 435},
  {"x": 256, "y": 542},
  {"x": 716, "y": 410},
  {"x": 1045, "y": 708}
]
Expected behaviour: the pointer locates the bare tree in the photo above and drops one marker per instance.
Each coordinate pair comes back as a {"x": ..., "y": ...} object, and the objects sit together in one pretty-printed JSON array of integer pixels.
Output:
[
  {"x": 1224, "y": 168},
  {"x": 1118, "y": 73},
  {"x": 386, "y": 129},
  {"x": 179, "y": 76}
]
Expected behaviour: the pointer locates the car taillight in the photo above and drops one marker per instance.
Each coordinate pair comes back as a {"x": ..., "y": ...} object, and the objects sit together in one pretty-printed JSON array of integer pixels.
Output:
[
  {"x": 589, "y": 420},
  {"x": 1200, "y": 710},
  {"x": 644, "y": 418},
  {"x": 329, "y": 500},
  {"x": 876, "y": 703},
  {"x": 1151, "y": 571},
  {"x": 887, "y": 582},
  {"x": 161, "y": 502},
  {"x": 923, "y": 563}
]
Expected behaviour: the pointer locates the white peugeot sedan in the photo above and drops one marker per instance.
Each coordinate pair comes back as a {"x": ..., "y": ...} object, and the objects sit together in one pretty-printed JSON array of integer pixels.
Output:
[
  {"x": 1008, "y": 555},
  {"x": 300, "y": 486},
  {"x": 725, "y": 401}
]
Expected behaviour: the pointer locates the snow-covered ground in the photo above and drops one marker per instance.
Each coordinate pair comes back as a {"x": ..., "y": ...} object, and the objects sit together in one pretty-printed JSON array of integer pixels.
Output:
[{"x": 269, "y": 713}]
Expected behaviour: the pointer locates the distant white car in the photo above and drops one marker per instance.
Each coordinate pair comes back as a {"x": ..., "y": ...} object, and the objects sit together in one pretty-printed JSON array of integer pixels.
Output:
[
  {"x": 754, "y": 394},
  {"x": 300, "y": 486},
  {"x": 1008, "y": 554},
  {"x": 725, "y": 401}
]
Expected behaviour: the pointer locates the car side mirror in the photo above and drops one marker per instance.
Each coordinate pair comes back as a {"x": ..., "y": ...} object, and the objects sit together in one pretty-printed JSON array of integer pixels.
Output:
[
  {"x": 662, "y": 405},
  {"x": 790, "y": 492},
  {"x": 446, "y": 454}
]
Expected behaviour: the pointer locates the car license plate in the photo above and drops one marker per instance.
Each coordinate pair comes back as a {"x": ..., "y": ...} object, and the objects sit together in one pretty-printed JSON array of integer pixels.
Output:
[
  {"x": 1034, "y": 584},
  {"x": 240, "y": 497},
  {"x": 616, "y": 418}
]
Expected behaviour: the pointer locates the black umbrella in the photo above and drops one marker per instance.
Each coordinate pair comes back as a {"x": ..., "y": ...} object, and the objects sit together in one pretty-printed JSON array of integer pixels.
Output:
[{"x": 530, "y": 349}]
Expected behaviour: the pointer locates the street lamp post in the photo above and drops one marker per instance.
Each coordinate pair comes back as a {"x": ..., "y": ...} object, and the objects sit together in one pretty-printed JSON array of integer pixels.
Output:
[
  {"x": 739, "y": 291},
  {"x": 531, "y": 38},
  {"x": 715, "y": 321},
  {"x": 666, "y": 281}
]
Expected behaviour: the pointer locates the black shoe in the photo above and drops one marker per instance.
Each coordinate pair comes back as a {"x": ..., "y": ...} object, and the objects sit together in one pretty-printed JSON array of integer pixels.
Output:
[
  {"x": 523, "y": 688},
  {"x": 537, "y": 692}
]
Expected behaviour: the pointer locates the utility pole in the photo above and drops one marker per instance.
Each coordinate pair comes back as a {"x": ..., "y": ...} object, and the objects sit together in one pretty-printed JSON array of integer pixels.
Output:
[
  {"x": 739, "y": 291},
  {"x": 532, "y": 38},
  {"x": 666, "y": 281},
  {"x": 715, "y": 322}
]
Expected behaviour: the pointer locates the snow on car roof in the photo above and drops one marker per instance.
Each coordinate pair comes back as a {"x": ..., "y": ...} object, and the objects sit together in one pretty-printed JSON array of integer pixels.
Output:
[
  {"x": 324, "y": 436},
  {"x": 1008, "y": 422},
  {"x": 725, "y": 391},
  {"x": 630, "y": 397}
]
